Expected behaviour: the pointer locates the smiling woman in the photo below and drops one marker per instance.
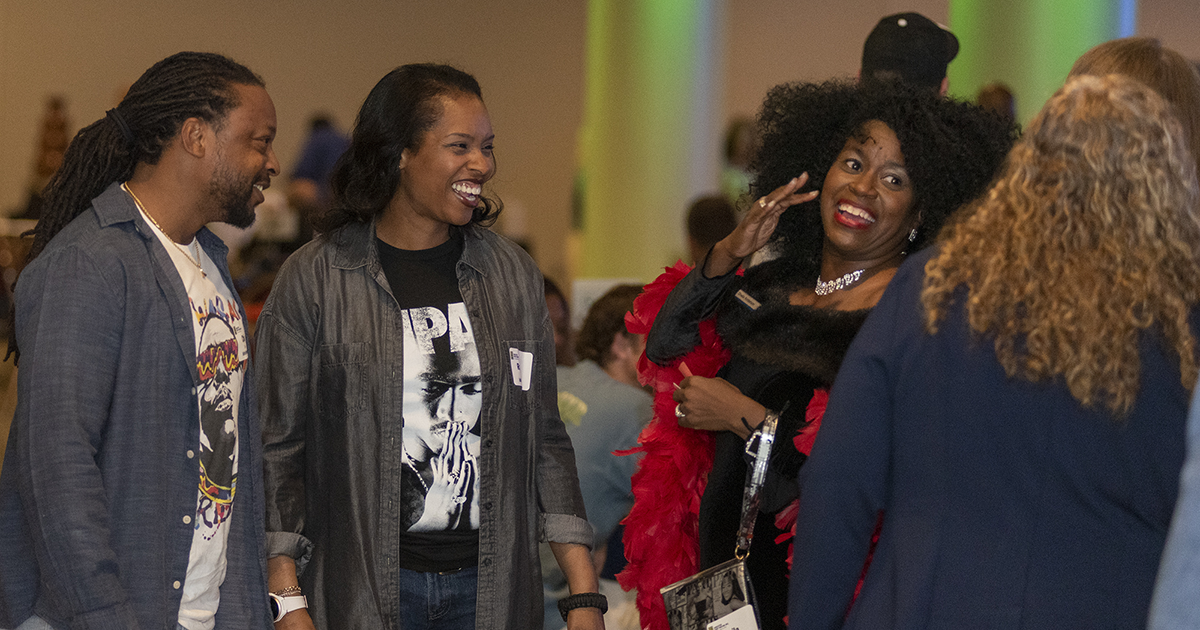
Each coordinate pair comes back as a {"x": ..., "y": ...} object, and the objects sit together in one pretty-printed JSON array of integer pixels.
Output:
[
  {"x": 887, "y": 165},
  {"x": 865, "y": 207},
  {"x": 442, "y": 180},
  {"x": 397, "y": 122},
  {"x": 414, "y": 453}
]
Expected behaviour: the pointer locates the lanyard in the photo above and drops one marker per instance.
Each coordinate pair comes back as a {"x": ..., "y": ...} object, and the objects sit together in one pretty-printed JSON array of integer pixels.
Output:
[{"x": 750, "y": 499}]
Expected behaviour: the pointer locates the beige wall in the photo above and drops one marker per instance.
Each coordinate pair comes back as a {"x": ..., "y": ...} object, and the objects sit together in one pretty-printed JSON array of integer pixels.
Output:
[
  {"x": 1175, "y": 22},
  {"x": 773, "y": 41},
  {"x": 528, "y": 55}
]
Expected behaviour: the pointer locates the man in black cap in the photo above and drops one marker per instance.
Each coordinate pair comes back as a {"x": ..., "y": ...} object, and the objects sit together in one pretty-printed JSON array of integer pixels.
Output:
[{"x": 909, "y": 47}]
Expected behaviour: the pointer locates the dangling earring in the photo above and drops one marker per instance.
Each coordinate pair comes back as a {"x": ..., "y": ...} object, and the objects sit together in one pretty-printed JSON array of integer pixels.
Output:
[{"x": 912, "y": 236}]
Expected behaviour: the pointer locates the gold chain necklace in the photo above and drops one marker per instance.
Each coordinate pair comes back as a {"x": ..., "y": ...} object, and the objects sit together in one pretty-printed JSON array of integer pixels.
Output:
[{"x": 196, "y": 260}]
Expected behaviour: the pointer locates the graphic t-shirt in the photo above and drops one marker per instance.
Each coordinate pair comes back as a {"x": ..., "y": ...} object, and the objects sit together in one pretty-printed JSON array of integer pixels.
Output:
[
  {"x": 221, "y": 358},
  {"x": 443, "y": 394}
]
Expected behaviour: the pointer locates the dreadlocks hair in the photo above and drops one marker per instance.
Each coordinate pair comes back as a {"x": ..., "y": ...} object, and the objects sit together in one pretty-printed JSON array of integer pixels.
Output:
[
  {"x": 951, "y": 152},
  {"x": 401, "y": 108},
  {"x": 182, "y": 86}
]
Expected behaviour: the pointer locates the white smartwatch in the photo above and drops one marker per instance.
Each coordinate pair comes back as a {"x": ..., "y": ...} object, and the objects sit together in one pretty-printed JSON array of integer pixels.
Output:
[{"x": 282, "y": 605}]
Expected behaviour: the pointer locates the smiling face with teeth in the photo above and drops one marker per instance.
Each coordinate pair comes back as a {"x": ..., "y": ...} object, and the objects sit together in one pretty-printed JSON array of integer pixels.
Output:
[
  {"x": 244, "y": 157},
  {"x": 867, "y": 199},
  {"x": 441, "y": 180}
]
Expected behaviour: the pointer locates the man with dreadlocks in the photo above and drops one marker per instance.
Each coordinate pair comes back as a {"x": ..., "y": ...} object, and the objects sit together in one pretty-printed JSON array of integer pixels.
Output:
[{"x": 132, "y": 495}]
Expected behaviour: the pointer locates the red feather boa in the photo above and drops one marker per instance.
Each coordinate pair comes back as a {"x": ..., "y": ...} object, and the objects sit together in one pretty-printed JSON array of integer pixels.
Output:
[
  {"x": 785, "y": 520},
  {"x": 662, "y": 530}
]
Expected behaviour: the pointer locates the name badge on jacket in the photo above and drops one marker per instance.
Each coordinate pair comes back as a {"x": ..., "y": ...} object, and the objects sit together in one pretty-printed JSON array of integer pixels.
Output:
[{"x": 522, "y": 368}]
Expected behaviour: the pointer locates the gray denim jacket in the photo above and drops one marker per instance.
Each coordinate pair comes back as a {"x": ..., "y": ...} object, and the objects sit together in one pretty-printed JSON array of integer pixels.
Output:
[{"x": 329, "y": 353}]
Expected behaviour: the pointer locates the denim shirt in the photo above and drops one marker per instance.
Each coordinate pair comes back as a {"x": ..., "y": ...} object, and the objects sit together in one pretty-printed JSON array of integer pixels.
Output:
[
  {"x": 1175, "y": 606},
  {"x": 102, "y": 463},
  {"x": 330, "y": 347}
]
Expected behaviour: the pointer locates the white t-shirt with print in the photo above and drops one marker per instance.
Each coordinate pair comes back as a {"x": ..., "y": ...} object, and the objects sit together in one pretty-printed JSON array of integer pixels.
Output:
[{"x": 221, "y": 359}]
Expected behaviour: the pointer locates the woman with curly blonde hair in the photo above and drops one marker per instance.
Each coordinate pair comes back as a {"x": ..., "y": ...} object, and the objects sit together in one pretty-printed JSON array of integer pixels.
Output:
[
  {"x": 1086, "y": 241},
  {"x": 1015, "y": 406}
]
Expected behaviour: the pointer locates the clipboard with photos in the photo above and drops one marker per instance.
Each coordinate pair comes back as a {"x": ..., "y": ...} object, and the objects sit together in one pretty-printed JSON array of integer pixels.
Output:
[{"x": 704, "y": 600}]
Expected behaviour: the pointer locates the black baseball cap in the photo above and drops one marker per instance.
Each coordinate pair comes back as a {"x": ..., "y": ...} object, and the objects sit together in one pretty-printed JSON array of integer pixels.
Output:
[{"x": 911, "y": 47}]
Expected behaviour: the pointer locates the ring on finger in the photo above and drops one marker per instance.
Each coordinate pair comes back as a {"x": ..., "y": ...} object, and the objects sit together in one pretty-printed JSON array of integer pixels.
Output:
[
  {"x": 679, "y": 411},
  {"x": 762, "y": 202}
]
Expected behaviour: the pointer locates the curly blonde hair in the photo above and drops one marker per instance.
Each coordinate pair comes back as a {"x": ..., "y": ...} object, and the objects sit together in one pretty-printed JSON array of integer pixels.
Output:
[{"x": 1089, "y": 236}]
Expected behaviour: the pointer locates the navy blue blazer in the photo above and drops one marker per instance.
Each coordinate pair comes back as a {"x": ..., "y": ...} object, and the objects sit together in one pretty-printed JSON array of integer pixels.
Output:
[{"x": 1006, "y": 504}]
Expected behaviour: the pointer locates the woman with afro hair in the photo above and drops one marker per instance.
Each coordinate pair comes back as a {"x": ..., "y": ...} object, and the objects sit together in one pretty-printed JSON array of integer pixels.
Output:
[{"x": 850, "y": 179}]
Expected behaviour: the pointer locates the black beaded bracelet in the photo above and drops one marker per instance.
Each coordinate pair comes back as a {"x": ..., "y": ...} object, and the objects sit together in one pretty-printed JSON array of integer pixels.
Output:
[{"x": 582, "y": 600}]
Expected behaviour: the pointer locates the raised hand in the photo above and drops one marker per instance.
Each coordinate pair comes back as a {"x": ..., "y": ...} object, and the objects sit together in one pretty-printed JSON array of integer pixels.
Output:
[{"x": 757, "y": 226}]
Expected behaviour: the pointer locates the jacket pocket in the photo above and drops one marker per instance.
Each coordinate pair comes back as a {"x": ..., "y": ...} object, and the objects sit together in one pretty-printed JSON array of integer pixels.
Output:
[{"x": 341, "y": 379}]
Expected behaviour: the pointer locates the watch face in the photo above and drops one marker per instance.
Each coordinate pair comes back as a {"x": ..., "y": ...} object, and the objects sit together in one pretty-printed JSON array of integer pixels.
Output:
[{"x": 274, "y": 607}]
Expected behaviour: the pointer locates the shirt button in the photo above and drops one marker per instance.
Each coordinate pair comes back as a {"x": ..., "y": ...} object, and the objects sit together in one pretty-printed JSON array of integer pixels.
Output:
[
  {"x": 187, "y": 519},
  {"x": 176, "y": 585},
  {"x": 191, "y": 454},
  {"x": 487, "y": 506},
  {"x": 193, "y": 391}
]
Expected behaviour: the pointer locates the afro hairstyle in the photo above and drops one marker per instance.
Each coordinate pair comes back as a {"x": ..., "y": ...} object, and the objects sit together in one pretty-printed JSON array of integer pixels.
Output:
[{"x": 952, "y": 150}]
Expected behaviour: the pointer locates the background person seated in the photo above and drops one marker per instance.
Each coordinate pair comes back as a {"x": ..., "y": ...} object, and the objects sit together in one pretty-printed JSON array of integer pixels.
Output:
[{"x": 604, "y": 410}]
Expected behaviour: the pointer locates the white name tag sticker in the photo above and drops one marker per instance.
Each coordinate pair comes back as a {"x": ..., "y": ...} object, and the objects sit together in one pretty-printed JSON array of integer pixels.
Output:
[
  {"x": 522, "y": 368},
  {"x": 740, "y": 619}
]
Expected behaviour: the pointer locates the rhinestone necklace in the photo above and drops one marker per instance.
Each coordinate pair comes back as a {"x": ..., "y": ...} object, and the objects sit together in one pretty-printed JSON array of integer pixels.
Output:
[
  {"x": 196, "y": 260},
  {"x": 845, "y": 282}
]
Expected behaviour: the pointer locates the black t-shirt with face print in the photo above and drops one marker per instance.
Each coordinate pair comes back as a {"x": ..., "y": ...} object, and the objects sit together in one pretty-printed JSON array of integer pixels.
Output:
[{"x": 441, "y": 404}]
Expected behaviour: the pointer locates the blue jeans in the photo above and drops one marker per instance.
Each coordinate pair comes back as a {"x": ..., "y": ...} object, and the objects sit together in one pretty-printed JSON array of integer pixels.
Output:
[{"x": 438, "y": 601}]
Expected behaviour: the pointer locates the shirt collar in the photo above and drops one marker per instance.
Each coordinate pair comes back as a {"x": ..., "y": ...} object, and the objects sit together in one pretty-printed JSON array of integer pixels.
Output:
[
  {"x": 354, "y": 246},
  {"x": 114, "y": 206}
]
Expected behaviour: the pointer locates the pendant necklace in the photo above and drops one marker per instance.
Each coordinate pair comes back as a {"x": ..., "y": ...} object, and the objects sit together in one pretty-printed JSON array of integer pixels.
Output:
[{"x": 194, "y": 260}]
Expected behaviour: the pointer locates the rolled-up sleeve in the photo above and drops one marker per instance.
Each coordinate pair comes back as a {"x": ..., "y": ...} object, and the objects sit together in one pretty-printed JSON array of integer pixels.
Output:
[
  {"x": 563, "y": 518},
  {"x": 284, "y": 352}
]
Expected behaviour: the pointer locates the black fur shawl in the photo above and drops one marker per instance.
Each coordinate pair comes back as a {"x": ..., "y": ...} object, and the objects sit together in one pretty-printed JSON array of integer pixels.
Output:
[{"x": 780, "y": 334}]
